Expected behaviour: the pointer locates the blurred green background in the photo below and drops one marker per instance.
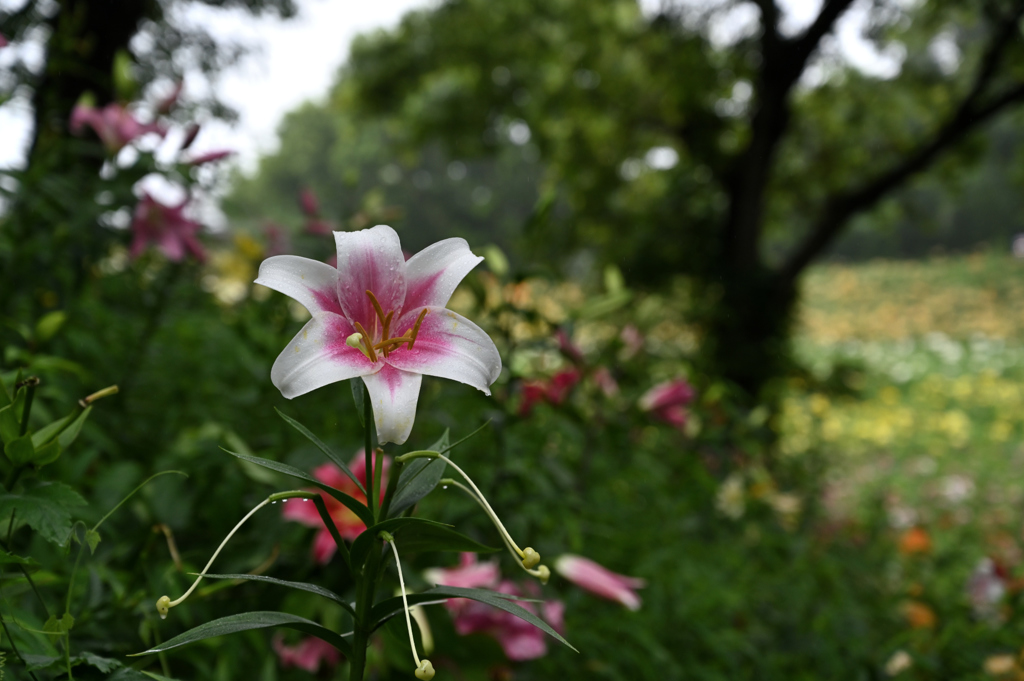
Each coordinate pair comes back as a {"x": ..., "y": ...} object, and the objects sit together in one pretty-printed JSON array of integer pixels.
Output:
[{"x": 705, "y": 192}]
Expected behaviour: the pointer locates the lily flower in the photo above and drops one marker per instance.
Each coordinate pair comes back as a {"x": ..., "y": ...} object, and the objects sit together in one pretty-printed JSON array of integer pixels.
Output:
[
  {"x": 114, "y": 124},
  {"x": 599, "y": 580},
  {"x": 348, "y": 524},
  {"x": 383, "y": 319},
  {"x": 667, "y": 401},
  {"x": 167, "y": 228},
  {"x": 308, "y": 655}
]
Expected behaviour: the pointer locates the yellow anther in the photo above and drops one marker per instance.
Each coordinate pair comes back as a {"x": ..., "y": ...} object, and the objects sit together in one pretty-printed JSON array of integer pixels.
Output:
[
  {"x": 365, "y": 338},
  {"x": 163, "y": 606},
  {"x": 530, "y": 558},
  {"x": 416, "y": 327},
  {"x": 376, "y": 308},
  {"x": 425, "y": 671}
]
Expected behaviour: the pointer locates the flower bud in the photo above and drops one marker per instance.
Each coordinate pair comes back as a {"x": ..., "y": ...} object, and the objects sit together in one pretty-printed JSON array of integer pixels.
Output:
[
  {"x": 163, "y": 606},
  {"x": 425, "y": 671},
  {"x": 530, "y": 558},
  {"x": 543, "y": 574}
]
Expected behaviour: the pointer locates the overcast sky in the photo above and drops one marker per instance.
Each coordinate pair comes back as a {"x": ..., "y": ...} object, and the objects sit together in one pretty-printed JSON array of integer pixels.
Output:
[{"x": 297, "y": 60}]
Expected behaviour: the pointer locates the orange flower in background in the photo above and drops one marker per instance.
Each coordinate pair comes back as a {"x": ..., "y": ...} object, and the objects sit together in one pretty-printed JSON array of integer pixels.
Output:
[
  {"x": 915, "y": 540},
  {"x": 919, "y": 615}
]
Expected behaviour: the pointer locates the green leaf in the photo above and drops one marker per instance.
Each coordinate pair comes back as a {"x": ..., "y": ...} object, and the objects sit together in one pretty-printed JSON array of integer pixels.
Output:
[
  {"x": 59, "y": 626},
  {"x": 396, "y": 630},
  {"x": 130, "y": 674},
  {"x": 500, "y": 601},
  {"x": 253, "y": 620},
  {"x": 357, "y": 507},
  {"x": 104, "y": 664},
  {"x": 359, "y": 397},
  {"x": 49, "y": 325},
  {"x": 414, "y": 534},
  {"x": 46, "y": 454},
  {"x": 10, "y": 423},
  {"x": 328, "y": 452},
  {"x": 29, "y": 564},
  {"x": 5, "y": 395},
  {"x": 71, "y": 432},
  {"x": 34, "y": 662},
  {"x": 301, "y": 586},
  {"x": 20, "y": 451},
  {"x": 49, "y": 431},
  {"x": 419, "y": 479},
  {"x": 92, "y": 538},
  {"x": 45, "y": 508}
]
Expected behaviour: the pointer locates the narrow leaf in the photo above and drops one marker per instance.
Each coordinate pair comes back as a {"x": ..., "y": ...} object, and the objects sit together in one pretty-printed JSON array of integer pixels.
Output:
[
  {"x": 500, "y": 601},
  {"x": 357, "y": 507},
  {"x": 301, "y": 586},
  {"x": 359, "y": 397},
  {"x": 328, "y": 452},
  {"x": 10, "y": 424},
  {"x": 415, "y": 534},
  {"x": 71, "y": 432},
  {"x": 49, "y": 431},
  {"x": 46, "y": 454},
  {"x": 419, "y": 479},
  {"x": 20, "y": 451},
  {"x": 249, "y": 621}
]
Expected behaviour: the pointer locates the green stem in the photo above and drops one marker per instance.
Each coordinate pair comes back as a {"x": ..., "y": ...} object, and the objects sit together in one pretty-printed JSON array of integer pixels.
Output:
[
  {"x": 30, "y": 392},
  {"x": 366, "y": 589},
  {"x": 368, "y": 424}
]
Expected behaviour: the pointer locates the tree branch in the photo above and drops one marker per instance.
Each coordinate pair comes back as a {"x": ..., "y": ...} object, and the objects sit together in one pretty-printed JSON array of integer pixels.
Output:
[
  {"x": 827, "y": 17},
  {"x": 840, "y": 208}
]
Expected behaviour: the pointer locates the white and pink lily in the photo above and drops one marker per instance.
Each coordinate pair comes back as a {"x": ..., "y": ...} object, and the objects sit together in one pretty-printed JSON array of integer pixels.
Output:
[{"x": 383, "y": 319}]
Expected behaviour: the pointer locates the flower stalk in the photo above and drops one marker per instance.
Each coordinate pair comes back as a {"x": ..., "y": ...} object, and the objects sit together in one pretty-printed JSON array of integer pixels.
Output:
[{"x": 424, "y": 669}]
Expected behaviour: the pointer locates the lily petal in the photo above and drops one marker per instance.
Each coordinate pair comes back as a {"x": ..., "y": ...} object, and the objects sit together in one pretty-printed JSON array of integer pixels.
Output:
[
  {"x": 448, "y": 346},
  {"x": 393, "y": 394},
  {"x": 312, "y": 284},
  {"x": 370, "y": 260},
  {"x": 318, "y": 356},
  {"x": 433, "y": 273}
]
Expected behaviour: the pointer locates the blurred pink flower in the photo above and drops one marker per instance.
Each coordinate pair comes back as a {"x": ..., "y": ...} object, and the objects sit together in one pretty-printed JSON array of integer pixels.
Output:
[
  {"x": 309, "y": 203},
  {"x": 632, "y": 339},
  {"x": 986, "y": 589},
  {"x": 167, "y": 103},
  {"x": 167, "y": 228},
  {"x": 519, "y": 639},
  {"x": 209, "y": 157},
  {"x": 277, "y": 239},
  {"x": 3, "y": 41},
  {"x": 554, "y": 390},
  {"x": 190, "y": 135},
  {"x": 115, "y": 125},
  {"x": 318, "y": 227},
  {"x": 666, "y": 401},
  {"x": 348, "y": 524},
  {"x": 307, "y": 655},
  {"x": 599, "y": 580},
  {"x": 606, "y": 382}
]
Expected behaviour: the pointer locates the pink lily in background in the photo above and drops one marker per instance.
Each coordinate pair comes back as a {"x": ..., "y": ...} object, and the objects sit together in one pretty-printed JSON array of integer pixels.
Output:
[
  {"x": 554, "y": 390},
  {"x": 166, "y": 227},
  {"x": 3, "y": 41},
  {"x": 667, "y": 401},
  {"x": 599, "y": 580},
  {"x": 115, "y": 125},
  {"x": 519, "y": 639},
  {"x": 383, "y": 319},
  {"x": 308, "y": 655},
  {"x": 209, "y": 157},
  {"x": 348, "y": 524},
  {"x": 308, "y": 203}
]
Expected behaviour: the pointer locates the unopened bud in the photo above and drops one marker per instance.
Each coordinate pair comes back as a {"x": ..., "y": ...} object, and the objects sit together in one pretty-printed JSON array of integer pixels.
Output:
[
  {"x": 425, "y": 671},
  {"x": 530, "y": 558},
  {"x": 543, "y": 574},
  {"x": 163, "y": 606}
]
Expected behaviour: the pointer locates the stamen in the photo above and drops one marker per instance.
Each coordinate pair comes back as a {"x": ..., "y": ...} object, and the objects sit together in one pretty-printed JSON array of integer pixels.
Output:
[
  {"x": 377, "y": 308},
  {"x": 387, "y": 326},
  {"x": 164, "y": 603},
  {"x": 542, "y": 572},
  {"x": 366, "y": 342},
  {"x": 424, "y": 670},
  {"x": 416, "y": 327},
  {"x": 392, "y": 341}
]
